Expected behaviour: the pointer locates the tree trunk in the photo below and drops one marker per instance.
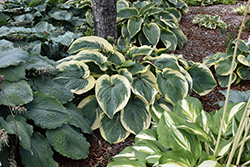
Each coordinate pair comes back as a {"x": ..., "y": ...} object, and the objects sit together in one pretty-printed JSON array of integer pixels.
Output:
[{"x": 105, "y": 18}]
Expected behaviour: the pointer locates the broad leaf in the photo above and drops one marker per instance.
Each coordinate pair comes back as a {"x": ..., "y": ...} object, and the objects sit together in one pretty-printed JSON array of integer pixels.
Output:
[
  {"x": 124, "y": 72},
  {"x": 112, "y": 93},
  {"x": 126, "y": 163},
  {"x": 147, "y": 134},
  {"x": 13, "y": 73},
  {"x": 39, "y": 62},
  {"x": 151, "y": 32},
  {"x": 223, "y": 80},
  {"x": 59, "y": 14},
  {"x": 139, "y": 51},
  {"x": 117, "y": 58},
  {"x": 169, "y": 36},
  {"x": 65, "y": 39},
  {"x": 134, "y": 25},
  {"x": 44, "y": 27},
  {"x": 41, "y": 154},
  {"x": 126, "y": 13},
  {"x": 244, "y": 72},
  {"x": 46, "y": 111},
  {"x": 223, "y": 66},
  {"x": 244, "y": 60},
  {"x": 68, "y": 141}
]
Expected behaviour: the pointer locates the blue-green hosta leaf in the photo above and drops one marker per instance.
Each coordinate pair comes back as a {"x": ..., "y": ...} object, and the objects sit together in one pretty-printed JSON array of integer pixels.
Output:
[
  {"x": 17, "y": 93},
  {"x": 146, "y": 7},
  {"x": 124, "y": 72},
  {"x": 4, "y": 31},
  {"x": 91, "y": 43},
  {"x": 151, "y": 32},
  {"x": 74, "y": 75},
  {"x": 142, "y": 39},
  {"x": 126, "y": 163},
  {"x": 138, "y": 68},
  {"x": 112, "y": 129},
  {"x": 5, "y": 44},
  {"x": 77, "y": 118},
  {"x": 153, "y": 11},
  {"x": 223, "y": 66},
  {"x": 138, "y": 5},
  {"x": 59, "y": 14},
  {"x": 164, "y": 61},
  {"x": 134, "y": 25},
  {"x": 181, "y": 38},
  {"x": 24, "y": 130},
  {"x": 244, "y": 72},
  {"x": 117, "y": 58},
  {"x": 172, "y": 85},
  {"x": 121, "y": 4},
  {"x": 13, "y": 73},
  {"x": 112, "y": 93},
  {"x": 69, "y": 142},
  {"x": 223, "y": 80},
  {"x": 244, "y": 60},
  {"x": 167, "y": 16},
  {"x": 39, "y": 62},
  {"x": 65, "y": 39},
  {"x": 91, "y": 111},
  {"x": 136, "y": 116},
  {"x": 139, "y": 51},
  {"x": 177, "y": 158},
  {"x": 175, "y": 12},
  {"x": 125, "y": 33},
  {"x": 169, "y": 36},
  {"x": 12, "y": 56},
  {"x": 146, "y": 134},
  {"x": 46, "y": 111},
  {"x": 43, "y": 26},
  {"x": 143, "y": 85},
  {"x": 189, "y": 108},
  {"x": 41, "y": 154},
  {"x": 203, "y": 80},
  {"x": 126, "y": 13}
]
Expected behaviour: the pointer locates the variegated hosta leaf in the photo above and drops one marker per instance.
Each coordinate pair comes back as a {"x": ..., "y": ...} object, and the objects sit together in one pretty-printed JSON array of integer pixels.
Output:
[
  {"x": 143, "y": 85},
  {"x": 147, "y": 134},
  {"x": 139, "y": 51},
  {"x": 244, "y": 60},
  {"x": 244, "y": 72},
  {"x": 177, "y": 158},
  {"x": 167, "y": 16},
  {"x": 172, "y": 85},
  {"x": 136, "y": 116},
  {"x": 122, "y": 4},
  {"x": 46, "y": 111},
  {"x": 143, "y": 40},
  {"x": 126, "y": 13},
  {"x": 152, "y": 32},
  {"x": 138, "y": 68},
  {"x": 91, "y": 111},
  {"x": 134, "y": 25},
  {"x": 164, "y": 61},
  {"x": 127, "y": 154},
  {"x": 153, "y": 158},
  {"x": 153, "y": 11},
  {"x": 203, "y": 80},
  {"x": 117, "y": 58},
  {"x": 126, "y": 163},
  {"x": 202, "y": 120},
  {"x": 188, "y": 78},
  {"x": 146, "y": 7},
  {"x": 88, "y": 56},
  {"x": 91, "y": 43},
  {"x": 224, "y": 147},
  {"x": 74, "y": 75},
  {"x": 112, "y": 129},
  {"x": 112, "y": 93},
  {"x": 68, "y": 141},
  {"x": 175, "y": 12},
  {"x": 223, "y": 80},
  {"x": 169, "y": 36},
  {"x": 208, "y": 160},
  {"x": 223, "y": 66},
  {"x": 124, "y": 72},
  {"x": 189, "y": 108},
  {"x": 41, "y": 153}
]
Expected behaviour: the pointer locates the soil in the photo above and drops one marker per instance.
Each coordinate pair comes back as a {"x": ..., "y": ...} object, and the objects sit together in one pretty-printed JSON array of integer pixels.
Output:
[{"x": 201, "y": 43}]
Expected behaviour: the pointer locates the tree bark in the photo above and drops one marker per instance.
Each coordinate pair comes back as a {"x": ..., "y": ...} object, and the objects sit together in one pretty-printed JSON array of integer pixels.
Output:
[{"x": 104, "y": 12}]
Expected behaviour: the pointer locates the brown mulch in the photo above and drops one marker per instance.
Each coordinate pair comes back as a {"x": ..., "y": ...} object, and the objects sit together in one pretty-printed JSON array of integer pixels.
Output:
[{"x": 201, "y": 43}]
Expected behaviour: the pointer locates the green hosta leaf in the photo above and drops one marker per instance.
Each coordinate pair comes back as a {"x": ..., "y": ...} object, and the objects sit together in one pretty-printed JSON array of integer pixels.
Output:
[
  {"x": 17, "y": 93},
  {"x": 12, "y": 56},
  {"x": 39, "y": 62},
  {"x": 59, "y": 14},
  {"x": 112, "y": 93},
  {"x": 143, "y": 40},
  {"x": 139, "y": 51},
  {"x": 175, "y": 12},
  {"x": 65, "y": 39},
  {"x": 177, "y": 158},
  {"x": 112, "y": 129},
  {"x": 77, "y": 118},
  {"x": 90, "y": 42},
  {"x": 124, "y": 72},
  {"x": 151, "y": 32},
  {"x": 244, "y": 72},
  {"x": 43, "y": 26},
  {"x": 244, "y": 60},
  {"x": 126, "y": 13},
  {"x": 117, "y": 58},
  {"x": 46, "y": 111},
  {"x": 138, "y": 5},
  {"x": 136, "y": 116},
  {"x": 164, "y": 61},
  {"x": 172, "y": 85},
  {"x": 188, "y": 108},
  {"x": 126, "y": 163},
  {"x": 169, "y": 36},
  {"x": 223, "y": 66},
  {"x": 24, "y": 130},
  {"x": 143, "y": 85},
  {"x": 147, "y": 134},
  {"x": 75, "y": 76},
  {"x": 69, "y": 142},
  {"x": 41, "y": 154},
  {"x": 91, "y": 111},
  {"x": 236, "y": 96},
  {"x": 5, "y": 156},
  {"x": 13, "y": 73},
  {"x": 223, "y": 80},
  {"x": 134, "y": 25},
  {"x": 125, "y": 33},
  {"x": 203, "y": 80}
]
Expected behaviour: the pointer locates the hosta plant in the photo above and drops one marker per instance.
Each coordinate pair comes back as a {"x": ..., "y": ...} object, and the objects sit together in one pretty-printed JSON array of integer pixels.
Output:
[
  {"x": 44, "y": 115},
  {"x": 210, "y": 22},
  {"x": 122, "y": 88},
  {"x": 186, "y": 136},
  {"x": 147, "y": 23},
  {"x": 222, "y": 63},
  {"x": 241, "y": 9}
]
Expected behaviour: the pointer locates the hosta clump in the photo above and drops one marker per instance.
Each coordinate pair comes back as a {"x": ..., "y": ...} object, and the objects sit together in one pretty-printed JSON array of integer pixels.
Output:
[
  {"x": 123, "y": 88},
  {"x": 45, "y": 117},
  {"x": 241, "y": 9},
  {"x": 211, "y": 22},
  {"x": 222, "y": 63},
  {"x": 147, "y": 23},
  {"x": 186, "y": 136}
]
